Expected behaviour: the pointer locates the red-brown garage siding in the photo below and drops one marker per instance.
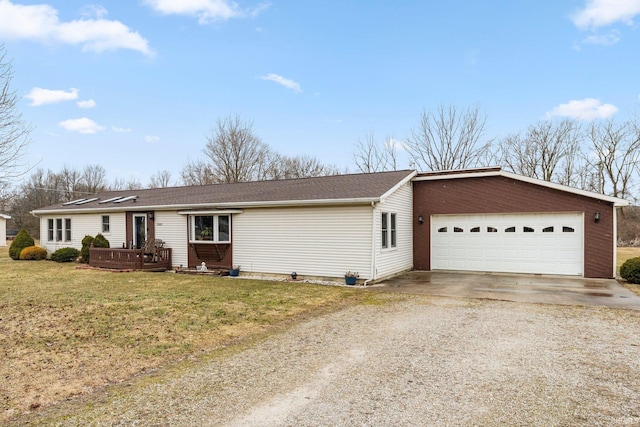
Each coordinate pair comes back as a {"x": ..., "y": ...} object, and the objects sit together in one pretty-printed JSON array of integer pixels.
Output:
[{"x": 499, "y": 194}]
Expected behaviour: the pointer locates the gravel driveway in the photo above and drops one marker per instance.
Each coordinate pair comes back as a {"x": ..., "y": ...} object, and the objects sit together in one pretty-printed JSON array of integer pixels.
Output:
[{"x": 432, "y": 361}]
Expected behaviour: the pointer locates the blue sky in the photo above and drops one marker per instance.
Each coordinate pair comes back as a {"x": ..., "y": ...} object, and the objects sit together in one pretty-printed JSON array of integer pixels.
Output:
[{"x": 136, "y": 86}]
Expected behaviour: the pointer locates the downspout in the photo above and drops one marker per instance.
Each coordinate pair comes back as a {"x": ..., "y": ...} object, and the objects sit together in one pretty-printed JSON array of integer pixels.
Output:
[
  {"x": 615, "y": 240},
  {"x": 373, "y": 246}
]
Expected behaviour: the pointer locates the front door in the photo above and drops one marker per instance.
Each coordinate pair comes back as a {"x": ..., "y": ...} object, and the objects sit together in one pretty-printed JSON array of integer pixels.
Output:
[{"x": 139, "y": 230}]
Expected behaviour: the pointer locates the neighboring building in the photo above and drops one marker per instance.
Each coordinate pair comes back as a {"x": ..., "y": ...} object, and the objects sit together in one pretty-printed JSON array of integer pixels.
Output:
[
  {"x": 3, "y": 229},
  {"x": 378, "y": 224}
]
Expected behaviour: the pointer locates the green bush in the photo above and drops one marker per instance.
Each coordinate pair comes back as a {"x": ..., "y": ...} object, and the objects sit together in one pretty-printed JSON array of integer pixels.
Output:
[
  {"x": 630, "y": 270},
  {"x": 33, "y": 253},
  {"x": 98, "y": 242},
  {"x": 84, "y": 252},
  {"x": 21, "y": 241},
  {"x": 65, "y": 255}
]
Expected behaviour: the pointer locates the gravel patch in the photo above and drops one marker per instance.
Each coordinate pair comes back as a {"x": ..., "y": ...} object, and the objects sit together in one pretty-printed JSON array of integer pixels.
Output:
[{"x": 422, "y": 361}]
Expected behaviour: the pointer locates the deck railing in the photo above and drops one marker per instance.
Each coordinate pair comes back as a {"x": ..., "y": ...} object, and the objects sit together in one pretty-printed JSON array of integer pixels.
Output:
[{"x": 130, "y": 259}]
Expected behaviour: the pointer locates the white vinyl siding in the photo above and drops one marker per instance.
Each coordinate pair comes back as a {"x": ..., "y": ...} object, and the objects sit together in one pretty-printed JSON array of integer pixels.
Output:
[
  {"x": 81, "y": 225},
  {"x": 393, "y": 260},
  {"x": 312, "y": 241},
  {"x": 3, "y": 231},
  {"x": 172, "y": 228}
]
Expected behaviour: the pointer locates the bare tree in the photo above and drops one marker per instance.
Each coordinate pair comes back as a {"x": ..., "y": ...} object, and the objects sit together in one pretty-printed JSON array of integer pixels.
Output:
[
  {"x": 373, "y": 156},
  {"x": 448, "y": 139},
  {"x": 197, "y": 173},
  {"x": 549, "y": 151},
  {"x": 160, "y": 179},
  {"x": 14, "y": 132},
  {"x": 615, "y": 155},
  {"x": 298, "y": 167},
  {"x": 94, "y": 179},
  {"x": 235, "y": 152}
]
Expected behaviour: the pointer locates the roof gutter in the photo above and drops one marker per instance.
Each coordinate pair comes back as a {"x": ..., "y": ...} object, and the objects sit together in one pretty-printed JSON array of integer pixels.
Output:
[{"x": 266, "y": 204}]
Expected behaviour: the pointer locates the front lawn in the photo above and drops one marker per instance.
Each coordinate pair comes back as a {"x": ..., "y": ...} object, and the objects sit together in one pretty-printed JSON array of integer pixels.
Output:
[{"x": 66, "y": 331}]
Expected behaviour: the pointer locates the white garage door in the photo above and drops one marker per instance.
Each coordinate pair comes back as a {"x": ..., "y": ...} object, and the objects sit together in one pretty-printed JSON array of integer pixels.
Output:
[{"x": 514, "y": 243}]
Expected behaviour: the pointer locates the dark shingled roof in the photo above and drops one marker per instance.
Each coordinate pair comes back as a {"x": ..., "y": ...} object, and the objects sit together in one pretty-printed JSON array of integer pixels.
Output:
[{"x": 354, "y": 187}]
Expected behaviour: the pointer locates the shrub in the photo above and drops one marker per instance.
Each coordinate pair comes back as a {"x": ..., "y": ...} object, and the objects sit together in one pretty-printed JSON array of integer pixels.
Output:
[
  {"x": 33, "y": 253},
  {"x": 630, "y": 270},
  {"x": 21, "y": 241},
  {"x": 98, "y": 242},
  {"x": 65, "y": 255},
  {"x": 84, "y": 252}
]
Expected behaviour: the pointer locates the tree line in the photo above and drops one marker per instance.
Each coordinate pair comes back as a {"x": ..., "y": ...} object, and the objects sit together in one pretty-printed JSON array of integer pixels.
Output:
[{"x": 601, "y": 156}]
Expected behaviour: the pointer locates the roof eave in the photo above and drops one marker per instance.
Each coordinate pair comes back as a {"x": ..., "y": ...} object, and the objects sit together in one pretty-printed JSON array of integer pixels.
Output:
[{"x": 616, "y": 201}]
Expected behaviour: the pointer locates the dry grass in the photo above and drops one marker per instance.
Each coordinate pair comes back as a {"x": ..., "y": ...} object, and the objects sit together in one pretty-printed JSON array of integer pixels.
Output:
[
  {"x": 626, "y": 253},
  {"x": 623, "y": 255},
  {"x": 65, "y": 332}
]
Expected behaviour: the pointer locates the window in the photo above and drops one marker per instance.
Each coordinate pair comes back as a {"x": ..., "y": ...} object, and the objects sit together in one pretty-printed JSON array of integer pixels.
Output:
[
  {"x": 55, "y": 230},
  {"x": 210, "y": 228},
  {"x": 50, "y": 230},
  {"x": 393, "y": 230},
  {"x": 528, "y": 229},
  {"x": 492, "y": 230},
  {"x": 548, "y": 229},
  {"x": 457, "y": 230},
  {"x": 566, "y": 229},
  {"x": 442, "y": 230},
  {"x": 510, "y": 230},
  {"x": 67, "y": 229},
  {"x": 389, "y": 230},
  {"x": 475, "y": 230},
  {"x": 105, "y": 223},
  {"x": 385, "y": 230},
  {"x": 58, "y": 229}
]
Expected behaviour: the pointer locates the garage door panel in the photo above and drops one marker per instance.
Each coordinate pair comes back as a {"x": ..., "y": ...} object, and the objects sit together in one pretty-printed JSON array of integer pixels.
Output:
[{"x": 546, "y": 243}]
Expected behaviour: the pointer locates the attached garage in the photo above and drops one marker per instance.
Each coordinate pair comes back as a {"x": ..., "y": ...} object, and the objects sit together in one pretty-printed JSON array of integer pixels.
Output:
[
  {"x": 489, "y": 220},
  {"x": 549, "y": 243}
]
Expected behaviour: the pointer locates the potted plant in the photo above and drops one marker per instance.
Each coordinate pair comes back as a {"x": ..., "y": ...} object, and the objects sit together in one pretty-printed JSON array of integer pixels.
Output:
[
  {"x": 351, "y": 277},
  {"x": 235, "y": 270}
]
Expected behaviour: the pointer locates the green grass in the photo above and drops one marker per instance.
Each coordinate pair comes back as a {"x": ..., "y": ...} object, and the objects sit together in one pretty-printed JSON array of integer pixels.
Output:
[{"x": 67, "y": 331}]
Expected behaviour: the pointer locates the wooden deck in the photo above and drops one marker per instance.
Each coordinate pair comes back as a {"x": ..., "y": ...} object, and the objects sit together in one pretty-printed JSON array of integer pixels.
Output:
[{"x": 130, "y": 259}]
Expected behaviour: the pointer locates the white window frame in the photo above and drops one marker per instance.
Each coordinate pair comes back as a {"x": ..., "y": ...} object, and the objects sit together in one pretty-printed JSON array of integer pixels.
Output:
[
  {"x": 67, "y": 229},
  {"x": 57, "y": 230},
  {"x": 106, "y": 225},
  {"x": 51, "y": 230},
  {"x": 216, "y": 228},
  {"x": 389, "y": 230}
]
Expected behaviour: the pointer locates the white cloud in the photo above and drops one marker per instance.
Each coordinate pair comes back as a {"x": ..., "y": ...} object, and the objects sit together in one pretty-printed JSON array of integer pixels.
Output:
[
  {"x": 40, "y": 96},
  {"x": 93, "y": 10},
  {"x": 395, "y": 144},
  {"x": 600, "y": 13},
  {"x": 89, "y": 103},
  {"x": 83, "y": 125},
  {"x": 584, "y": 109},
  {"x": 40, "y": 23},
  {"x": 289, "y": 84},
  {"x": 604, "y": 40},
  {"x": 120, "y": 130},
  {"x": 206, "y": 11},
  {"x": 151, "y": 139}
]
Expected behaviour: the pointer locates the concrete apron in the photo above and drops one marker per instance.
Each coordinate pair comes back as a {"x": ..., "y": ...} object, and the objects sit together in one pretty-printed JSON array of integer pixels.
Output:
[{"x": 544, "y": 289}]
